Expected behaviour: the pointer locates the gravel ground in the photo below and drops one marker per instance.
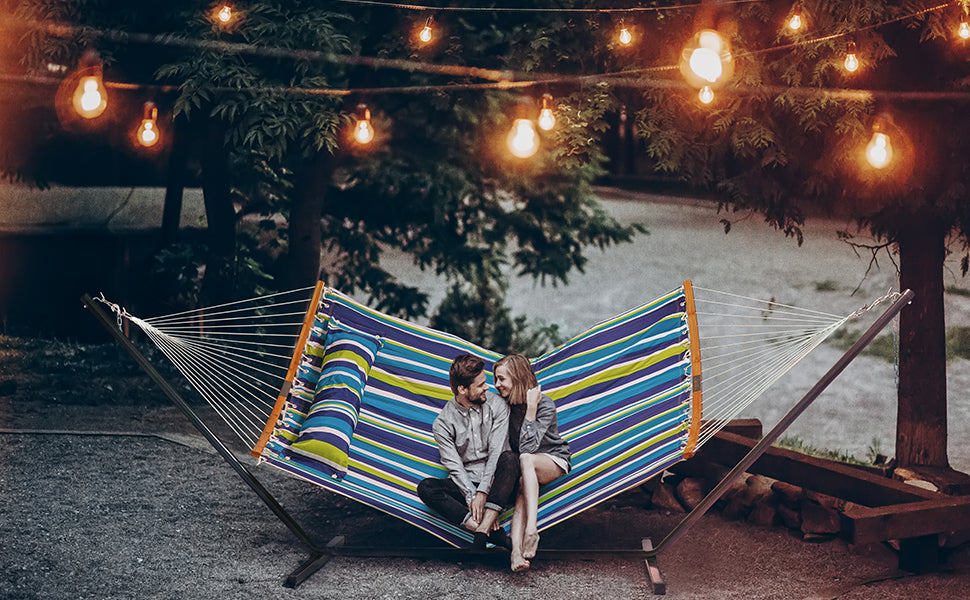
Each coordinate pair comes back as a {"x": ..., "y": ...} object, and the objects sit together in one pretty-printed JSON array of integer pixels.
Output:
[{"x": 161, "y": 515}]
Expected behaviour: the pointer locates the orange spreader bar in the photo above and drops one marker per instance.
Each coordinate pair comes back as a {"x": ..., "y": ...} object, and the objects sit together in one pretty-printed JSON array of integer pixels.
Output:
[
  {"x": 311, "y": 313},
  {"x": 695, "y": 370}
]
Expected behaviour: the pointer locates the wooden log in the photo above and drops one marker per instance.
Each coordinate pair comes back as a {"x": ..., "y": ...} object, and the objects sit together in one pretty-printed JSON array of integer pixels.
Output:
[{"x": 862, "y": 525}]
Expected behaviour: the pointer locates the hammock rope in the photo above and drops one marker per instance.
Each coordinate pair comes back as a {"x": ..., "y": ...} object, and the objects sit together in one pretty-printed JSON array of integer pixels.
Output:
[{"x": 624, "y": 389}]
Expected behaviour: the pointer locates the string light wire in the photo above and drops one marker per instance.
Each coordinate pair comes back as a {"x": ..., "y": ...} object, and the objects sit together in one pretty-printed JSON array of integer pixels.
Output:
[{"x": 524, "y": 9}]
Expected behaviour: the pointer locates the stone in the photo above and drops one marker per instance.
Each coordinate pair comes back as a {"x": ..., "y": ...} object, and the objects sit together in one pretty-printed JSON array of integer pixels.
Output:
[
  {"x": 791, "y": 517},
  {"x": 825, "y": 500},
  {"x": 762, "y": 514},
  {"x": 690, "y": 492},
  {"x": 787, "y": 494},
  {"x": 818, "y": 519},
  {"x": 664, "y": 498},
  {"x": 735, "y": 508},
  {"x": 758, "y": 489}
]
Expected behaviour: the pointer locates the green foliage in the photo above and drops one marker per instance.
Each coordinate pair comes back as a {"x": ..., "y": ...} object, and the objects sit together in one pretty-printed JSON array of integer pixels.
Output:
[
  {"x": 796, "y": 444},
  {"x": 958, "y": 342},
  {"x": 827, "y": 285}
]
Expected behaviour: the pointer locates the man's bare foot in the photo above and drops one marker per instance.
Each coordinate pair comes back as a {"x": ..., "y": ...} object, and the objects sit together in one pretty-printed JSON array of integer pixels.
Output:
[
  {"x": 518, "y": 563},
  {"x": 530, "y": 543}
]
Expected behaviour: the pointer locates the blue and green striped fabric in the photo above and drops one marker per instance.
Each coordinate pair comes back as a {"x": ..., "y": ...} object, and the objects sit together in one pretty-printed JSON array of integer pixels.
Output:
[{"x": 622, "y": 390}]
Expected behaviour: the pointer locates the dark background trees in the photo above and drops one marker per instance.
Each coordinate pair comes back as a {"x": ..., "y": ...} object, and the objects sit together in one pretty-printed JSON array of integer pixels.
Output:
[{"x": 783, "y": 138}]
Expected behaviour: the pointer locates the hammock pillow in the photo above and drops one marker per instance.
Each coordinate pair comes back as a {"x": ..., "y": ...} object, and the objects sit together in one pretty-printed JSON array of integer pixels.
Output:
[{"x": 324, "y": 440}]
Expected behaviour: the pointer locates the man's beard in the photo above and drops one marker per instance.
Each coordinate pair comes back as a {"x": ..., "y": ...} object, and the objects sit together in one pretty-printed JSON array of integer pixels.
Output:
[{"x": 479, "y": 400}]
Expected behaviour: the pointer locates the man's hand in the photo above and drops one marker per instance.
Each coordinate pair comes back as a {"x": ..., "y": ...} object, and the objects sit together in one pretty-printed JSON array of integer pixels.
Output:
[{"x": 477, "y": 506}]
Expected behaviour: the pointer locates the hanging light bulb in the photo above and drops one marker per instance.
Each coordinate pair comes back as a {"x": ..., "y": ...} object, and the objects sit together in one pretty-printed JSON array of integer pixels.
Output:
[
  {"x": 625, "y": 37},
  {"x": 427, "y": 33},
  {"x": 706, "y": 60},
  {"x": 90, "y": 97},
  {"x": 879, "y": 151},
  {"x": 706, "y": 95},
  {"x": 225, "y": 13},
  {"x": 522, "y": 139},
  {"x": 147, "y": 133},
  {"x": 795, "y": 21},
  {"x": 547, "y": 120},
  {"x": 964, "y": 30},
  {"x": 363, "y": 131},
  {"x": 851, "y": 62}
]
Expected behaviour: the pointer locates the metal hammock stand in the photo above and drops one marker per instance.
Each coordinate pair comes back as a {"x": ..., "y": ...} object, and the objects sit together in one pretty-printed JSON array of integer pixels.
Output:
[{"x": 321, "y": 554}]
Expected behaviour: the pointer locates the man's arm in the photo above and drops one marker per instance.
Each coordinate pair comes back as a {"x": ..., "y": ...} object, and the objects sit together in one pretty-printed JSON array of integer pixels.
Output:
[
  {"x": 444, "y": 436},
  {"x": 498, "y": 436}
]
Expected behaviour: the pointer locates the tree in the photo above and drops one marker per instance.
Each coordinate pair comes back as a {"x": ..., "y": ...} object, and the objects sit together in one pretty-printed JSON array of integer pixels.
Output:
[
  {"x": 778, "y": 140},
  {"x": 255, "y": 96}
]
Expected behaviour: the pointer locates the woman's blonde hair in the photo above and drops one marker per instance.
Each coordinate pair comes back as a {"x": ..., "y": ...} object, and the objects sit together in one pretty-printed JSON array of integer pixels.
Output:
[{"x": 521, "y": 374}]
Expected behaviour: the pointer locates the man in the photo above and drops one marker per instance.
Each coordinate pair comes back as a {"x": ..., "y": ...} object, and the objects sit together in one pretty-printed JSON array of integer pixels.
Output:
[{"x": 472, "y": 433}]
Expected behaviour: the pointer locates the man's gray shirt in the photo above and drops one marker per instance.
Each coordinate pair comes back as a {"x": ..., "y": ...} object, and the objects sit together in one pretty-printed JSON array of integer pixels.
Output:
[{"x": 470, "y": 441}]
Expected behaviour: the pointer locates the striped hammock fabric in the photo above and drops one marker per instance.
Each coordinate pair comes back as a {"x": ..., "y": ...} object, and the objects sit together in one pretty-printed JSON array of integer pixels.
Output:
[{"x": 622, "y": 390}]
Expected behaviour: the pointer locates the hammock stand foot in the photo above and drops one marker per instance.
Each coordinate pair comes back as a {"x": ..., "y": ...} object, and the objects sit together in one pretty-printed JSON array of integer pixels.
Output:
[
  {"x": 313, "y": 564},
  {"x": 654, "y": 576}
]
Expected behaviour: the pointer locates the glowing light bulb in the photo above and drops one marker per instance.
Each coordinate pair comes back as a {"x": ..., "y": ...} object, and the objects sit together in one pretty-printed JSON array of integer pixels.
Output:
[
  {"x": 964, "y": 30},
  {"x": 363, "y": 131},
  {"x": 426, "y": 33},
  {"x": 706, "y": 60},
  {"x": 795, "y": 21},
  {"x": 225, "y": 13},
  {"x": 626, "y": 38},
  {"x": 147, "y": 133},
  {"x": 706, "y": 95},
  {"x": 879, "y": 151},
  {"x": 90, "y": 98},
  {"x": 547, "y": 120},
  {"x": 522, "y": 139},
  {"x": 851, "y": 62}
]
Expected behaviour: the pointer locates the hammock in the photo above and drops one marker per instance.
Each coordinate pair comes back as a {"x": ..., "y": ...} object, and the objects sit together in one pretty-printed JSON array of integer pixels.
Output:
[{"x": 351, "y": 409}]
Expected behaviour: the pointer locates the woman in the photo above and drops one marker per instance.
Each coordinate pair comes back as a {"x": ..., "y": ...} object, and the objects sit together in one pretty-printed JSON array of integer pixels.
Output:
[{"x": 543, "y": 454}]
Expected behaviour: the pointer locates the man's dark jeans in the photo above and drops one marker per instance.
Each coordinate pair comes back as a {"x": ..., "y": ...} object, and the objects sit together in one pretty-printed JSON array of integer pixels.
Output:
[{"x": 445, "y": 498}]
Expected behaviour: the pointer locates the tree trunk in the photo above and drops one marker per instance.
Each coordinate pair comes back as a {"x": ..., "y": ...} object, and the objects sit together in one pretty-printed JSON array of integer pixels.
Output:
[
  {"x": 217, "y": 285},
  {"x": 305, "y": 244},
  {"x": 921, "y": 413},
  {"x": 177, "y": 158}
]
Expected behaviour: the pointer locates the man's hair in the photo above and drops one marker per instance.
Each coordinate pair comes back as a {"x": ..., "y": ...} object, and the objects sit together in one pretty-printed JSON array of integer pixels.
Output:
[
  {"x": 464, "y": 369},
  {"x": 522, "y": 376}
]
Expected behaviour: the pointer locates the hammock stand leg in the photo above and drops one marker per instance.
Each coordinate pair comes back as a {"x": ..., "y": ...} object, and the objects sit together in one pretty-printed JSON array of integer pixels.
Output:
[
  {"x": 681, "y": 528},
  {"x": 319, "y": 556}
]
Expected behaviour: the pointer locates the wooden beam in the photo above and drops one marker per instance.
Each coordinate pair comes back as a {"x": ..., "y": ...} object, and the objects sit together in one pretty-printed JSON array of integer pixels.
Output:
[
  {"x": 817, "y": 474},
  {"x": 861, "y": 525}
]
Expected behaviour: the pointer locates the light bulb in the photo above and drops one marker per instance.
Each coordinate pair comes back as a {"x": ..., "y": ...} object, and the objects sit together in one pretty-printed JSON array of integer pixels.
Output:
[
  {"x": 879, "y": 151},
  {"x": 706, "y": 95},
  {"x": 625, "y": 36},
  {"x": 147, "y": 133},
  {"x": 706, "y": 64},
  {"x": 547, "y": 120},
  {"x": 522, "y": 139},
  {"x": 426, "y": 33},
  {"x": 795, "y": 22},
  {"x": 851, "y": 62},
  {"x": 964, "y": 30},
  {"x": 225, "y": 13},
  {"x": 90, "y": 98}
]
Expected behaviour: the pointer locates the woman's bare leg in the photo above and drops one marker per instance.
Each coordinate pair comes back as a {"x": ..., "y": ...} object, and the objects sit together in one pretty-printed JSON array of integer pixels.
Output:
[
  {"x": 518, "y": 529},
  {"x": 537, "y": 469}
]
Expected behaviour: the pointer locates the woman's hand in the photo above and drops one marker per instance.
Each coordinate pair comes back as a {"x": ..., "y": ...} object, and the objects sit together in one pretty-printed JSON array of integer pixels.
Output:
[{"x": 532, "y": 397}]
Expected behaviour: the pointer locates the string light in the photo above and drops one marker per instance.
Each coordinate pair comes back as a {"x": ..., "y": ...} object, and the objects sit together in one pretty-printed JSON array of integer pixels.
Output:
[
  {"x": 625, "y": 37},
  {"x": 707, "y": 59},
  {"x": 225, "y": 13},
  {"x": 363, "y": 131},
  {"x": 547, "y": 120},
  {"x": 879, "y": 151},
  {"x": 706, "y": 95},
  {"x": 90, "y": 98},
  {"x": 427, "y": 33},
  {"x": 964, "y": 29},
  {"x": 851, "y": 62},
  {"x": 147, "y": 133},
  {"x": 795, "y": 21},
  {"x": 523, "y": 140}
]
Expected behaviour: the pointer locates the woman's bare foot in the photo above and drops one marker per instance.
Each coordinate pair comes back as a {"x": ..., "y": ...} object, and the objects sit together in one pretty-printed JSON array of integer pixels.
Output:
[
  {"x": 530, "y": 544},
  {"x": 471, "y": 524},
  {"x": 518, "y": 563}
]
